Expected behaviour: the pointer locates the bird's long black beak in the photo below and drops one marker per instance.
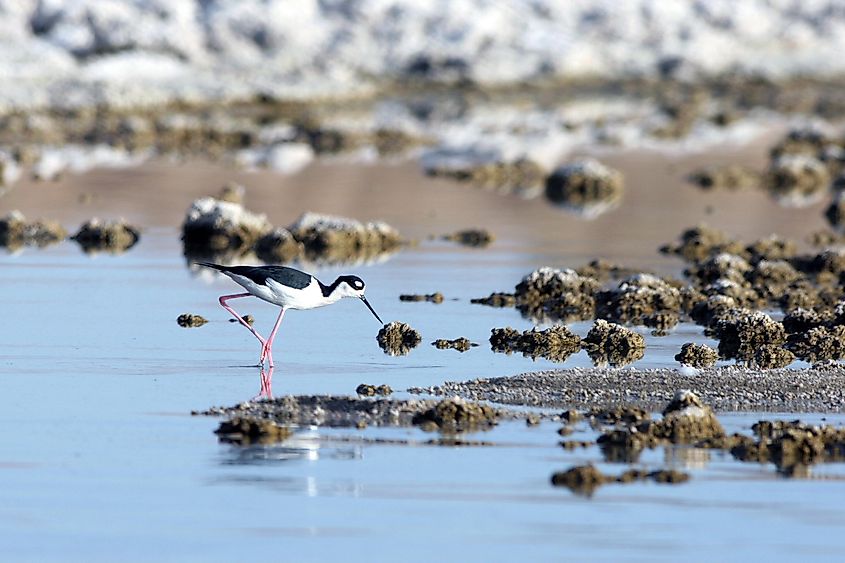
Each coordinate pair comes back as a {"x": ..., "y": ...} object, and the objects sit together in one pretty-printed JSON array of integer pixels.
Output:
[{"x": 370, "y": 307}]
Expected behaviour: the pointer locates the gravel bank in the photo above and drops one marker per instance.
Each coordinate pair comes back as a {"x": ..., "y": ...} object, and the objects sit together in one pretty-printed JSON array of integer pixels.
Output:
[{"x": 725, "y": 389}]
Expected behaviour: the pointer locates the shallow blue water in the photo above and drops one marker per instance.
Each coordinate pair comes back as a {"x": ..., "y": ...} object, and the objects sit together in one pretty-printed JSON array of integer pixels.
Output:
[{"x": 101, "y": 459}]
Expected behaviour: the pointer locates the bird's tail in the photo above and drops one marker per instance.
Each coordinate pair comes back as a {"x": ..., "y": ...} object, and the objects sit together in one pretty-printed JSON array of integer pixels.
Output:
[{"x": 217, "y": 267}]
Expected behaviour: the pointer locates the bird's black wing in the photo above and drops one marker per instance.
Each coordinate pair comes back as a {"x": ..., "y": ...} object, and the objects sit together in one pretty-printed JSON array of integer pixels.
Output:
[
  {"x": 260, "y": 274},
  {"x": 282, "y": 274}
]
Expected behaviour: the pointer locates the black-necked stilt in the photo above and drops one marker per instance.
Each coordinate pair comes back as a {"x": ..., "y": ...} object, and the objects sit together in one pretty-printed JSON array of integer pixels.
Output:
[{"x": 289, "y": 289}]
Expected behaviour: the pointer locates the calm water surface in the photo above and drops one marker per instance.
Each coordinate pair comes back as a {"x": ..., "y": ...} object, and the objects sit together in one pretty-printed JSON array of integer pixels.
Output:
[{"x": 101, "y": 458}]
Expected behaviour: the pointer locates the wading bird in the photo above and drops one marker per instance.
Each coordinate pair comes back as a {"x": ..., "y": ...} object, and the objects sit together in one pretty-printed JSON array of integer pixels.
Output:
[{"x": 289, "y": 289}]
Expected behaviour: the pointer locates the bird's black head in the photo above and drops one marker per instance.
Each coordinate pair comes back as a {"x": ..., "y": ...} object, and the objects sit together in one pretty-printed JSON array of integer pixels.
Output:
[
  {"x": 351, "y": 286},
  {"x": 354, "y": 282}
]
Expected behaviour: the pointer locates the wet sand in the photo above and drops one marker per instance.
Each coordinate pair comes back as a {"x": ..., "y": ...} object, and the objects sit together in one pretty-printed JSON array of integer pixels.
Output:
[
  {"x": 158, "y": 193},
  {"x": 734, "y": 389}
]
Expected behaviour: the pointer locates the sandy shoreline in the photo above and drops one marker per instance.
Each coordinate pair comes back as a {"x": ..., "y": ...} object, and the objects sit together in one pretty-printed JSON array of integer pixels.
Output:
[{"x": 724, "y": 388}]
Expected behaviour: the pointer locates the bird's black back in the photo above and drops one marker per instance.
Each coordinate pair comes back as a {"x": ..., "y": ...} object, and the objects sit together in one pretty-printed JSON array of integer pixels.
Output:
[{"x": 289, "y": 277}]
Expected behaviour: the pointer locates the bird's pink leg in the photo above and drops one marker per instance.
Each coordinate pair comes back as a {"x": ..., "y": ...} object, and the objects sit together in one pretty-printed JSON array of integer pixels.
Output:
[
  {"x": 223, "y": 299},
  {"x": 268, "y": 346}
]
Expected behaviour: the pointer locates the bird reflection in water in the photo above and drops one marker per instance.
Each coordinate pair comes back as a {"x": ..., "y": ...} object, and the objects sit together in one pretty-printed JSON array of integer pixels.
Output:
[{"x": 266, "y": 391}]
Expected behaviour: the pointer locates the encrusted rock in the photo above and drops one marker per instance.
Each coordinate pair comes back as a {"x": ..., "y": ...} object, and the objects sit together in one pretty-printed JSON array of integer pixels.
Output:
[
  {"x": 687, "y": 419},
  {"x": 613, "y": 344},
  {"x": 188, "y": 320},
  {"x": 458, "y": 415},
  {"x": 16, "y": 231},
  {"x": 588, "y": 187},
  {"x": 556, "y": 343},
  {"x": 213, "y": 225},
  {"x": 373, "y": 390},
  {"x": 740, "y": 337},
  {"x": 557, "y": 294},
  {"x": 637, "y": 298},
  {"x": 232, "y": 192},
  {"x": 797, "y": 180},
  {"x": 335, "y": 239},
  {"x": 819, "y": 344},
  {"x": 711, "y": 309},
  {"x": 471, "y": 237},
  {"x": 601, "y": 270},
  {"x": 397, "y": 339},
  {"x": 278, "y": 246},
  {"x": 111, "y": 236},
  {"x": 730, "y": 177},
  {"x": 496, "y": 300},
  {"x": 769, "y": 356},
  {"x": 722, "y": 266},
  {"x": 461, "y": 344},
  {"x": 700, "y": 242},
  {"x": 801, "y": 320},
  {"x": 772, "y": 247},
  {"x": 697, "y": 355}
]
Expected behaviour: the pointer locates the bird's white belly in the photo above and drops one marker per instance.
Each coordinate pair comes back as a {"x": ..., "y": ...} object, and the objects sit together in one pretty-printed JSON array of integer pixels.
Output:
[{"x": 308, "y": 297}]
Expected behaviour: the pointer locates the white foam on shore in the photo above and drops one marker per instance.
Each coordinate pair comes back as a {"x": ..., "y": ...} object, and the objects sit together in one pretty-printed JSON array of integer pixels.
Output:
[{"x": 62, "y": 51}]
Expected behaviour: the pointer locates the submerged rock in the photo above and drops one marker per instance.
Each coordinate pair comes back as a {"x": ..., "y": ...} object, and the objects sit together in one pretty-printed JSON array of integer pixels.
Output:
[
  {"x": 556, "y": 343},
  {"x": 617, "y": 414},
  {"x": 792, "y": 446},
  {"x": 613, "y": 344},
  {"x": 588, "y": 187},
  {"x": 457, "y": 415},
  {"x": 686, "y": 419},
  {"x": 249, "y": 430},
  {"x": 585, "y": 479},
  {"x": 248, "y": 319},
  {"x": 397, "y": 339},
  {"x": 730, "y": 177},
  {"x": 460, "y": 344},
  {"x": 188, "y": 320},
  {"x": 697, "y": 355},
  {"x": 110, "y": 236},
  {"x": 496, "y": 300},
  {"x": 431, "y": 298},
  {"x": 582, "y": 480},
  {"x": 471, "y": 237},
  {"x": 488, "y": 171},
  {"x": 16, "y": 231}
]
